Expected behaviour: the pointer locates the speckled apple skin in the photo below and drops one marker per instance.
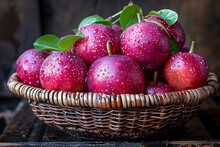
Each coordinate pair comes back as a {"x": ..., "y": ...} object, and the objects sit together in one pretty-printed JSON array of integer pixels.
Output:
[
  {"x": 159, "y": 87},
  {"x": 116, "y": 74},
  {"x": 28, "y": 66},
  {"x": 94, "y": 45},
  {"x": 147, "y": 43},
  {"x": 63, "y": 71},
  {"x": 184, "y": 71},
  {"x": 176, "y": 30}
]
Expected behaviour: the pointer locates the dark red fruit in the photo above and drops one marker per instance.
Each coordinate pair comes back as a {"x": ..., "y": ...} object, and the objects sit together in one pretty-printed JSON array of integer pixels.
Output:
[
  {"x": 175, "y": 30},
  {"x": 63, "y": 71},
  {"x": 186, "y": 71},
  {"x": 159, "y": 87},
  {"x": 149, "y": 75},
  {"x": 117, "y": 29},
  {"x": 116, "y": 74},
  {"x": 185, "y": 49},
  {"x": 147, "y": 43},
  {"x": 93, "y": 46},
  {"x": 156, "y": 19},
  {"x": 178, "y": 33},
  {"x": 28, "y": 66}
]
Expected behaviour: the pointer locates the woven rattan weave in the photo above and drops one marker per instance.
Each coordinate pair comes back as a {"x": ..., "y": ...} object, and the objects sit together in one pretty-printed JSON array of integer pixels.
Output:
[{"x": 113, "y": 117}]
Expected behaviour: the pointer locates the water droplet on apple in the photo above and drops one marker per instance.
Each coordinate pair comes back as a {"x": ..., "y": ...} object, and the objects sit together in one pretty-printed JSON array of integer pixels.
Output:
[
  {"x": 95, "y": 31},
  {"x": 60, "y": 62}
]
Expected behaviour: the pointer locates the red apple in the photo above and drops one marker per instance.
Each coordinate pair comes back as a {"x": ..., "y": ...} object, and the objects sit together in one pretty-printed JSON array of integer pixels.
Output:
[
  {"x": 147, "y": 43},
  {"x": 184, "y": 71},
  {"x": 175, "y": 30},
  {"x": 178, "y": 33},
  {"x": 115, "y": 74},
  {"x": 117, "y": 29},
  {"x": 159, "y": 87},
  {"x": 93, "y": 45},
  {"x": 149, "y": 75},
  {"x": 63, "y": 71},
  {"x": 185, "y": 48},
  {"x": 28, "y": 66}
]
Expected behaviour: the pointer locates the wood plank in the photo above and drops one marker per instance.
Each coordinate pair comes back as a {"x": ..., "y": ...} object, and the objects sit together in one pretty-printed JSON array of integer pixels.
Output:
[
  {"x": 194, "y": 130},
  {"x": 52, "y": 134},
  {"x": 214, "y": 143},
  {"x": 37, "y": 131},
  {"x": 21, "y": 124},
  {"x": 210, "y": 117}
]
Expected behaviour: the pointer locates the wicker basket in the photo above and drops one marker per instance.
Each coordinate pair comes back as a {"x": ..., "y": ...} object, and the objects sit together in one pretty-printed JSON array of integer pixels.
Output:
[{"x": 113, "y": 117}]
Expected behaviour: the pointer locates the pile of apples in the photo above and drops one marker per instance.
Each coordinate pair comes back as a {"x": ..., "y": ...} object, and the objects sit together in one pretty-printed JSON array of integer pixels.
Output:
[{"x": 144, "y": 54}]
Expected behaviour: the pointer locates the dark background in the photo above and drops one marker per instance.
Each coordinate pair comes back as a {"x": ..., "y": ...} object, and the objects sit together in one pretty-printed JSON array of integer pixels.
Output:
[{"x": 22, "y": 21}]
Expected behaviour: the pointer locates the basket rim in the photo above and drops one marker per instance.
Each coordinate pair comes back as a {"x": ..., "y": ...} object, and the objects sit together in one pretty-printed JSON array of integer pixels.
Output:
[{"x": 106, "y": 101}]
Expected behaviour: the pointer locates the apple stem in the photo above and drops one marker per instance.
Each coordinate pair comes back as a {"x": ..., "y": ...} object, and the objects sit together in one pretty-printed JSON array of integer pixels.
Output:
[
  {"x": 192, "y": 47},
  {"x": 155, "y": 77},
  {"x": 139, "y": 16},
  {"x": 108, "y": 44},
  {"x": 116, "y": 21},
  {"x": 117, "y": 14},
  {"x": 130, "y": 3},
  {"x": 113, "y": 16}
]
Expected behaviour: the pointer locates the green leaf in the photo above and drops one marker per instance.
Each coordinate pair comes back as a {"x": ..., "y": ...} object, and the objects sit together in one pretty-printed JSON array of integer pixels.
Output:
[
  {"x": 174, "y": 46},
  {"x": 90, "y": 20},
  {"x": 169, "y": 16},
  {"x": 128, "y": 16},
  {"x": 79, "y": 33},
  {"x": 66, "y": 42},
  {"x": 153, "y": 12},
  {"x": 75, "y": 30},
  {"x": 107, "y": 23},
  {"x": 47, "y": 42}
]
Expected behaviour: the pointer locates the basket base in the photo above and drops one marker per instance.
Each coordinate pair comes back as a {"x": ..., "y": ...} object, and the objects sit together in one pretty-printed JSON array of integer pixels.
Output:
[
  {"x": 96, "y": 135},
  {"x": 85, "y": 123}
]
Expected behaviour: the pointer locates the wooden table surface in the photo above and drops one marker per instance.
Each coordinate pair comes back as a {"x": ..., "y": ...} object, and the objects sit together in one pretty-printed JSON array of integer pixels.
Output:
[{"x": 23, "y": 128}]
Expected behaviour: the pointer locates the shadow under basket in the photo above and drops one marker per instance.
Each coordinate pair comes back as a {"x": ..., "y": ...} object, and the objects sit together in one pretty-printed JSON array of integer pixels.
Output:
[{"x": 113, "y": 117}]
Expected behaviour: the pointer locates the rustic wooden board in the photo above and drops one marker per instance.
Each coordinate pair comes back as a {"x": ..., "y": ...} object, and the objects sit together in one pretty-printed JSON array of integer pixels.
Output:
[
  {"x": 52, "y": 134},
  {"x": 214, "y": 143},
  {"x": 21, "y": 124},
  {"x": 26, "y": 127},
  {"x": 37, "y": 131},
  {"x": 193, "y": 130},
  {"x": 210, "y": 116}
]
